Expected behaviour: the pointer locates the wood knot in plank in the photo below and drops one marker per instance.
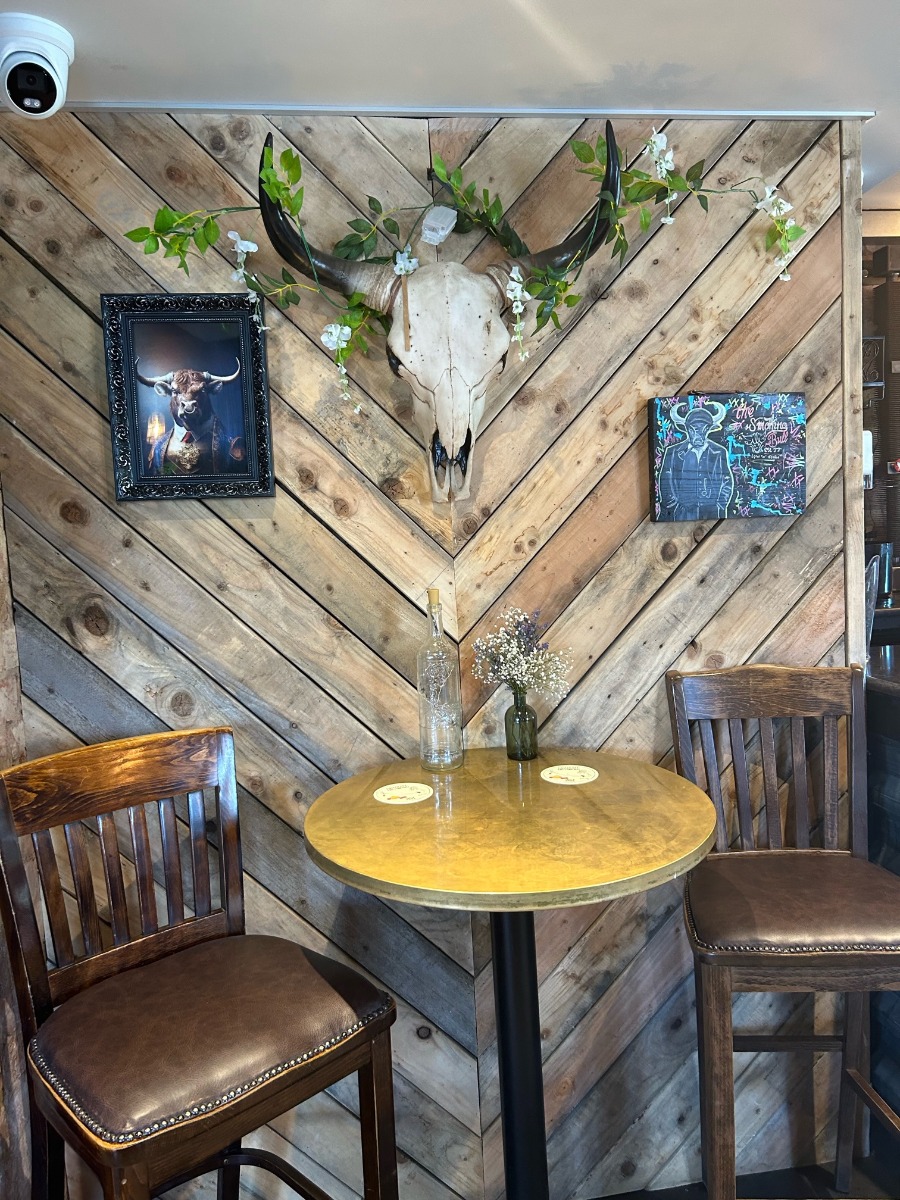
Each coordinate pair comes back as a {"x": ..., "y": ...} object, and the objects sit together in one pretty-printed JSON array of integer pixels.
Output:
[
  {"x": 74, "y": 513},
  {"x": 182, "y": 703},
  {"x": 96, "y": 619},
  {"x": 397, "y": 489}
]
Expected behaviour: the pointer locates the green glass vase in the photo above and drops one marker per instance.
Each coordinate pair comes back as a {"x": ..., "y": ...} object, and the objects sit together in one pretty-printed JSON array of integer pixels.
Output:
[{"x": 521, "y": 728}]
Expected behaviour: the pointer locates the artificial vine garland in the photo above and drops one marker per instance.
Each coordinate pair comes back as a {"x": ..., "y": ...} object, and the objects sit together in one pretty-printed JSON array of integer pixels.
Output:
[{"x": 181, "y": 234}]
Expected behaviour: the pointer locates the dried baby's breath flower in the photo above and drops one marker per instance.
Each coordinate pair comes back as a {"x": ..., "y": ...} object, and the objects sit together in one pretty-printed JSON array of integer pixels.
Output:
[{"x": 514, "y": 654}]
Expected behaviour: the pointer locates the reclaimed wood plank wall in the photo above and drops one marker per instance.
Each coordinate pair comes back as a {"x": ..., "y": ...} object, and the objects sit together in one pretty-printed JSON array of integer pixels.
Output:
[{"x": 296, "y": 619}]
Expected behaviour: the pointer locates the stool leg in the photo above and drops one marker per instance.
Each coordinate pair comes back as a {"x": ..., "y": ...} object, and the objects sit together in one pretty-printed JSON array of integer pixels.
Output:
[
  {"x": 716, "y": 1054},
  {"x": 851, "y": 1059},
  {"x": 376, "y": 1114},
  {"x": 228, "y": 1181}
]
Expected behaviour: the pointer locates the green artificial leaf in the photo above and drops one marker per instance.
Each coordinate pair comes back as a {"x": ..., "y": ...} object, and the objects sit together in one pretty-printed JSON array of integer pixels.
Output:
[
  {"x": 210, "y": 231},
  {"x": 678, "y": 183},
  {"x": 165, "y": 219},
  {"x": 291, "y": 166},
  {"x": 695, "y": 172},
  {"x": 464, "y": 223},
  {"x": 571, "y": 301},
  {"x": 200, "y": 240},
  {"x": 254, "y": 285},
  {"x": 439, "y": 168},
  {"x": 772, "y": 236},
  {"x": 295, "y": 202},
  {"x": 485, "y": 199},
  {"x": 375, "y": 205},
  {"x": 138, "y": 235},
  {"x": 370, "y": 243},
  {"x": 292, "y": 297},
  {"x": 601, "y": 151},
  {"x": 151, "y": 245},
  {"x": 704, "y": 202},
  {"x": 286, "y": 276},
  {"x": 267, "y": 157},
  {"x": 795, "y": 232},
  {"x": 646, "y": 218},
  {"x": 582, "y": 151},
  {"x": 456, "y": 179},
  {"x": 362, "y": 343},
  {"x": 495, "y": 212},
  {"x": 391, "y": 226},
  {"x": 361, "y": 225}
]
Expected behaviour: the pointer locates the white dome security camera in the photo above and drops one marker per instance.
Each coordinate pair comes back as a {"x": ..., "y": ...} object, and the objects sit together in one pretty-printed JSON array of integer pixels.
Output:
[{"x": 34, "y": 64}]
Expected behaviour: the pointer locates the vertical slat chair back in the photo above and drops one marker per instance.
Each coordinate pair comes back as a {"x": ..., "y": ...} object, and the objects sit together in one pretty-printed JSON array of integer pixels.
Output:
[
  {"x": 106, "y": 823},
  {"x": 771, "y": 741}
]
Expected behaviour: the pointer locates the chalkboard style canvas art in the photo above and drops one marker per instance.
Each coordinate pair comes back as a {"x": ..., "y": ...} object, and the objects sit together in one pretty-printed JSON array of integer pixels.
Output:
[{"x": 728, "y": 454}]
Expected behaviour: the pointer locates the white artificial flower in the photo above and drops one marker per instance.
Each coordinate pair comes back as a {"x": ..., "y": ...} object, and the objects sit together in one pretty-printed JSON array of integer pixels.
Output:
[
  {"x": 655, "y": 145},
  {"x": 242, "y": 248},
  {"x": 668, "y": 219},
  {"x": 773, "y": 204},
  {"x": 516, "y": 293},
  {"x": 665, "y": 165},
  {"x": 335, "y": 337},
  {"x": 242, "y": 245},
  {"x": 404, "y": 263}
]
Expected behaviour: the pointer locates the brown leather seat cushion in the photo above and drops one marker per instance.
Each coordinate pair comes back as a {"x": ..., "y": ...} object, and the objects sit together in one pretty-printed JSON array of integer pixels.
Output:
[
  {"x": 786, "y": 901},
  {"x": 168, "y": 1041}
]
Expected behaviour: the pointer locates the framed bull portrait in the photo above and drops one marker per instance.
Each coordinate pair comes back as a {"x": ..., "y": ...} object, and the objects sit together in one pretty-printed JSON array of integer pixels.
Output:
[{"x": 188, "y": 396}]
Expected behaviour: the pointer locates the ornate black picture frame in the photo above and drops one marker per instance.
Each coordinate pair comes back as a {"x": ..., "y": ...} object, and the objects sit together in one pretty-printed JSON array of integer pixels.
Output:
[{"x": 188, "y": 396}]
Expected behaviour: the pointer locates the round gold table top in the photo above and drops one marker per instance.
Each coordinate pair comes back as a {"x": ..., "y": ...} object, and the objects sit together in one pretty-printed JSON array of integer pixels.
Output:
[{"x": 497, "y": 835}]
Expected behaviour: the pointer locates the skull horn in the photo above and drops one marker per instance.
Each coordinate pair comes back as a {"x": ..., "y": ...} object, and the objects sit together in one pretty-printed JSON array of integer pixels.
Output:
[
  {"x": 223, "y": 378},
  {"x": 580, "y": 245},
  {"x": 375, "y": 280}
]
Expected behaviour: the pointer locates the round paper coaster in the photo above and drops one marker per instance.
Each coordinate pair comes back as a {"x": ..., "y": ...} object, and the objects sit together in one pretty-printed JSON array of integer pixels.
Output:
[
  {"x": 403, "y": 793},
  {"x": 569, "y": 773}
]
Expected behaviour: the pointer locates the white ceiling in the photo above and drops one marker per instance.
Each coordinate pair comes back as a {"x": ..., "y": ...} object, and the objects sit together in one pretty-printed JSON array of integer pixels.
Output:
[{"x": 500, "y": 56}]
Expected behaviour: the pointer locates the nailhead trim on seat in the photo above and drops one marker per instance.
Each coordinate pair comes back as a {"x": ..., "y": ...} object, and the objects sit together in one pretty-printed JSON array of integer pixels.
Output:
[
  {"x": 830, "y": 947},
  {"x": 189, "y": 1113}
]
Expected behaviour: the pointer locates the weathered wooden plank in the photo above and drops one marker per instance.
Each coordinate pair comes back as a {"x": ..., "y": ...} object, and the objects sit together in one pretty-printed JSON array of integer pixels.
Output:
[
  {"x": 851, "y": 365},
  {"x": 617, "y": 505},
  {"x": 106, "y": 633},
  {"x": 344, "y": 148},
  {"x": 619, "y": 305},
  {"x": 559, "y": 196},
  {"x": 505, "y": 161},
  {"x": 71, "y": 518},
  {"x": 114, "y": 210},
  {"x": 616, "y": 413},
  {"x": 569, "y": 992},
  {"x": 15, "y": 1139},
  {"x": 724, "y": 557},
  {"x": 156, "y": 149},
  {"x": 407, "y": 139},
  {"x": 745, "y": 619},
  {"x": 455, "y": 138},
  {"x": 332, "y": 574}
]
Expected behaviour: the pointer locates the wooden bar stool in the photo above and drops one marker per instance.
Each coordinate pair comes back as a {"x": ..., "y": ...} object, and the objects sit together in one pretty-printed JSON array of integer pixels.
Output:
[
  {"x": 787, "y": 909},
  {"x": 158, "y": 1041}
]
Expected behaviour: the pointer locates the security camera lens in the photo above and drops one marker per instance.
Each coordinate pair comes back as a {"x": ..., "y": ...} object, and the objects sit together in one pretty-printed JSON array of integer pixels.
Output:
[{"x": 31, "y": 88}]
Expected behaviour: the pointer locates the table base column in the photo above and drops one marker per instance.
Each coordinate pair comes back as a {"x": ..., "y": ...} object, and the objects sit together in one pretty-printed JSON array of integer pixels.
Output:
[{"x": 519, "y": 1056}]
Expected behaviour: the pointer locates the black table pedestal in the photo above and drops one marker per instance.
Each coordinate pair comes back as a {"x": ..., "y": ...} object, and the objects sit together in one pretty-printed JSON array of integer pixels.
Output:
[{"x": 519, "y": 1056}]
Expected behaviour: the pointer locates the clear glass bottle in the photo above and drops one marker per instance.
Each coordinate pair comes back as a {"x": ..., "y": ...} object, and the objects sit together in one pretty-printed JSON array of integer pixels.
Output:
[{"x": 440, "y": 710}]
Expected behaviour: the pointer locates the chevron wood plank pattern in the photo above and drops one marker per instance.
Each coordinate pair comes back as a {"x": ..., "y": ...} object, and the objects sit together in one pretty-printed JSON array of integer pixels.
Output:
[{"x": 296, "y": 618}]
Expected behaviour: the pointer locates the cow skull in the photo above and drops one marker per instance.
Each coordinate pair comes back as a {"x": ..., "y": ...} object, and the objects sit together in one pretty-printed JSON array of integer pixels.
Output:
[{"x": 458, "y": 338}]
